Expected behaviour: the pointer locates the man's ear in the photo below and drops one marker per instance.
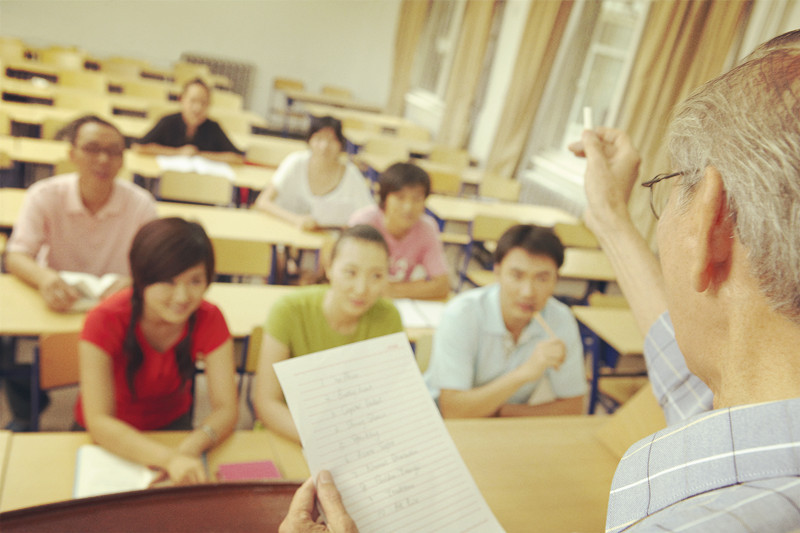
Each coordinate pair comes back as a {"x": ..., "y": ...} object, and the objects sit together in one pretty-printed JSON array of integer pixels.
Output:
[{"x": 713, "y": 231}]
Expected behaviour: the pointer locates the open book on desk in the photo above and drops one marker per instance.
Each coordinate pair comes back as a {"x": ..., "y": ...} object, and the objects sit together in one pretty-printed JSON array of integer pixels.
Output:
[
  {"x": 98, "y": 471},
  {"x": 195, "y": 163},
  {"x": 90, "y": 287},
  {"x": 364, "y": 413}
]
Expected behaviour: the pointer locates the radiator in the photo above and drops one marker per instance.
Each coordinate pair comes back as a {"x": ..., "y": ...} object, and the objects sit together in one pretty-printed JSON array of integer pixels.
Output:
[{"x": 240, "y": 74}]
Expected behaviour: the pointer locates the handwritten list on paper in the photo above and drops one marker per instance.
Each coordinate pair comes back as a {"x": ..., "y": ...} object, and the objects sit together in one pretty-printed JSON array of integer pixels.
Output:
[{"x": 364, "y": 413}]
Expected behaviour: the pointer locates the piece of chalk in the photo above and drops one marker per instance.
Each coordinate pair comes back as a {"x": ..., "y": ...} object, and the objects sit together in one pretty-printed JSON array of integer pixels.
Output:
[{"x": 587, "y": 118}]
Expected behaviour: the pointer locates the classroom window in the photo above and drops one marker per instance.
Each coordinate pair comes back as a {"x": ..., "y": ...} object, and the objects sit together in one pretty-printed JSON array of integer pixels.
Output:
[
  {"x": 589, "y": 72},
  {"x": 437, "y": 47}
]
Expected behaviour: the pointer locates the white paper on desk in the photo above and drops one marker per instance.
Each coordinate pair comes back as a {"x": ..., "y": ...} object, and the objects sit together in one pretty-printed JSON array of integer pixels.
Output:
[
  {"x": 98, "y": 471},
  {"x": 364, "y": 413},
  {"x": 419, "y": 313},
  {"x": 195, "y": 163}
]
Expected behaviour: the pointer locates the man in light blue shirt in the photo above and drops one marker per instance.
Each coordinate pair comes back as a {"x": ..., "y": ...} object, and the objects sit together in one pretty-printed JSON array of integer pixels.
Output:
[{"x": 502, "y": 347}]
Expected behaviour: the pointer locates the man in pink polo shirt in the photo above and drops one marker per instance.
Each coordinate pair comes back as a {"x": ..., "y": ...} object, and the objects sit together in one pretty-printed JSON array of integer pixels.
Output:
[{"x": 83, "y": 222}]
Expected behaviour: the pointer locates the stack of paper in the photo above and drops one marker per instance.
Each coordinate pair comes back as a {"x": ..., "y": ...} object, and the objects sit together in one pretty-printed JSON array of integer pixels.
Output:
[
  {"x": 98, "y": 471},
  {"x": 195, "y": 163}
]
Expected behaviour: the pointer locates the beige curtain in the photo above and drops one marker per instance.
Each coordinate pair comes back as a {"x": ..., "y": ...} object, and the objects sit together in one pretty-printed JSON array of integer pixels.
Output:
[
  {"x": 465, "y": 72},
  {"x": 685, "y": 43},
  {"x": 409, "y": 29},
  {"x": 543, "y": 32}
]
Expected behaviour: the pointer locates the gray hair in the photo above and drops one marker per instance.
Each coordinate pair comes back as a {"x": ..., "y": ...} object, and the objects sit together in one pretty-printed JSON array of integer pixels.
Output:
[{"x": 746, "y": 124}]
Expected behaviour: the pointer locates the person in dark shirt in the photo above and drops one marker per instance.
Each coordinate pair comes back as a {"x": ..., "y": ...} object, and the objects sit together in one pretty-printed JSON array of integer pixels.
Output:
[{"x": 190, "y": 132}]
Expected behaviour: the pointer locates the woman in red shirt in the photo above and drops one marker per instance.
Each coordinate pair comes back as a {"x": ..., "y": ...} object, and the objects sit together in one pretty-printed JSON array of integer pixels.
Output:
[{"x": 139, "y": 349}]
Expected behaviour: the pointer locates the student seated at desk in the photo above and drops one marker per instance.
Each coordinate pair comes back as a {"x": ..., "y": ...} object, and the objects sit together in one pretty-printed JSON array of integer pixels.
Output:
[
  {"x": 80, "y": 222},
  {"x": 503, "y": 346},
  {"x": 190, "y": 132},
  {"x": 319, "y": 317},
  {"x": 315, "y": 183},
  {"x": 139, "y": 349},
  {"x": 418, "y": 268}
]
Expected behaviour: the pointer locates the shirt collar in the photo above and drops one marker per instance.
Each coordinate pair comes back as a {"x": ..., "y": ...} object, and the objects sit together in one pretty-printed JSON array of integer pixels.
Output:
[
  {"x": 75, "y": 204},
  {"x": 706, "y": 452}
]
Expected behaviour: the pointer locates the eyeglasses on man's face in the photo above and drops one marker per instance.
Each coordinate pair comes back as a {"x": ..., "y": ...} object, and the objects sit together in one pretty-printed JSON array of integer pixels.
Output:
[{"x": 659, "y": 192}]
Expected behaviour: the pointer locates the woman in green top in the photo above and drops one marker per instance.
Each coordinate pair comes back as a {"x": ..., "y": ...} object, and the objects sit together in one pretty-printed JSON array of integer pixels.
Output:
[{"x": 319, "y": 317}]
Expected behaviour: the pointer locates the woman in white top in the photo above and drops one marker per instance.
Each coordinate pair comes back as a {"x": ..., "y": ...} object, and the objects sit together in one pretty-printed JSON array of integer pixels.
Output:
[{"x": 316, "y": 188}]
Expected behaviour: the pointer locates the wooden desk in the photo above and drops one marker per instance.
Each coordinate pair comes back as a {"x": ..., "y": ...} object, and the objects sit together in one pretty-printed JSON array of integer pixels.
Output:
[
  {"x": 389, "y": 122},
  {"x": 616, "y": 326},
  {"x": 243, "y": 305},
  {"x": 451, "y": 208},
  {"x": 305, "y": 97},
  {"x": 41, "y": 466},
  {"x": 545, "y": 474},
  {"x": 615, "y": 349},
  {"x": 28, "y": 150},
  {"x": 586, "y": 264},
  {"x": 244, "y": 224},
  {"x": 415, "y": 146},
  {"x": 133, "y": 127}
]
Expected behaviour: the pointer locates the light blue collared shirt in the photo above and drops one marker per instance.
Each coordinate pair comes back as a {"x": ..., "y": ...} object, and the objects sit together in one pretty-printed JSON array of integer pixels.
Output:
[
  {"x": 732, "y": 470},
  {"x": 472, "y": 346}
]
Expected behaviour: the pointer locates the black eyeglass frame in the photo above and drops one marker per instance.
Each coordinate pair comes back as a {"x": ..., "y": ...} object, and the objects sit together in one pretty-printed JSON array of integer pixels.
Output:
[{"x": 659, "y": 178}]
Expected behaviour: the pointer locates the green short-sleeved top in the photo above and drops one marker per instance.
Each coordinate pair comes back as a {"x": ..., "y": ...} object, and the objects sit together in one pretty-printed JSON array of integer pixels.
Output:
[{"x": 297, "y": 321}]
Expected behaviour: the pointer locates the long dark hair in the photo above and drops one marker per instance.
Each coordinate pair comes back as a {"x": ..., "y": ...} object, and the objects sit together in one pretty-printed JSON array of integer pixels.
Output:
[{"x": 162, "y": 249}]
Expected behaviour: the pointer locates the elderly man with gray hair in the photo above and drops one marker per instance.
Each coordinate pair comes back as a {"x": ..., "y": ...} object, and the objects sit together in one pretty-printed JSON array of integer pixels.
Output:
[{"x": 722, "y": 311}]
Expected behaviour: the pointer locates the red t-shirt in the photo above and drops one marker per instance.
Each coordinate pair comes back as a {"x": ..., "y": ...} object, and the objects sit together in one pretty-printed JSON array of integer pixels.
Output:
[{"x": 161, "y": 394}]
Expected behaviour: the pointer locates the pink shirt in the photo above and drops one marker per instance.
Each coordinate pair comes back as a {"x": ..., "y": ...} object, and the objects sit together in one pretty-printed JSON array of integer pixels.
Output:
[
  {"x": 418, "y": 255},
  {"x": 56, "y": 228}
]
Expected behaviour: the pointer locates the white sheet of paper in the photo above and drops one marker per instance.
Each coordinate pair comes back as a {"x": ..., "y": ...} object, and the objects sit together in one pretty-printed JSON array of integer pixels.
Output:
[
  {"x": 195, "y": 163},
  {"x": 419, "y": 313},
  {"x": 98, "y": 471},
  {"x": 364, "y": 414}
]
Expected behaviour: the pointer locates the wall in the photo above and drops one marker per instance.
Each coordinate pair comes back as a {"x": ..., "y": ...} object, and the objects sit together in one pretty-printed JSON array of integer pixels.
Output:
[{"x": 340, "y": 42}]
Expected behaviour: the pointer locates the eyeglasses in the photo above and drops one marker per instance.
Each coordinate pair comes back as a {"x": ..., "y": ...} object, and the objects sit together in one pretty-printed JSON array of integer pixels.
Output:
[
  {"x": 94, "y": 150},
  {"x": 659, "y": 196}
]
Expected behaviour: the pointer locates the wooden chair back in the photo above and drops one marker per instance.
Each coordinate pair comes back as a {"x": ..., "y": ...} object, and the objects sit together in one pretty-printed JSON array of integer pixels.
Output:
[
  {"x": 184, "y": 72},
  {"x": 232, "y": 122},
  {"x": 339, "y": 92},
  {"x": 486, "y": 228},
  {"x": 444, "y": 182},
  {"x": 456, "y": 157},
  {"x": 226, "y": 100},
  {"x": 271, "y": 155},
  {"x": 58, "y": 360},
  {"x": 242, "y": 258},
  {"x": 12, "y": 49},
  {"x": 395, "y": 149},
  {"x": 151, "y": 90},
  {"x": 83, "y": 101},
  {"x": 70, "y": 58},
  {"x": 195, "y": 188},
  {"x": 500, "y": 188},
  {"x": 121, "y": 67},
  {"x": 575, "y": 235},
  {"x": 86, "y": 80},
  {"x": 282, "y": 84},
  {"x": 413, "y": 132}
]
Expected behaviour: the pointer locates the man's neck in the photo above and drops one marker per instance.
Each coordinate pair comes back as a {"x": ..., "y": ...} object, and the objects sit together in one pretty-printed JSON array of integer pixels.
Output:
[{"x": 94, "y": 194}]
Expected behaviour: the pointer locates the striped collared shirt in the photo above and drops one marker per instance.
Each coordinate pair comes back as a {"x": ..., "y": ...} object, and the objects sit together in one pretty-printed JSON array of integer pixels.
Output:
[{"x": 731, "y": 470}]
